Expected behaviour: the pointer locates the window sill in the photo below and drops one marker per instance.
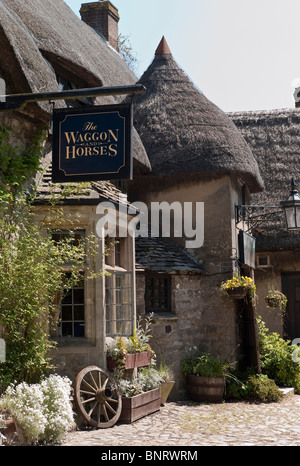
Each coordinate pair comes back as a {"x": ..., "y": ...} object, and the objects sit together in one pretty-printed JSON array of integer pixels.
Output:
[
  {"x": 162, "y": 316},
  {"x": 73, "y": 343}
]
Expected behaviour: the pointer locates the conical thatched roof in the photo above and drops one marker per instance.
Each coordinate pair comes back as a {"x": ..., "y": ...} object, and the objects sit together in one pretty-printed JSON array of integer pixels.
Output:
[
  {"x": 183, "y": 132},
  {"x": 42, "y": 38}
]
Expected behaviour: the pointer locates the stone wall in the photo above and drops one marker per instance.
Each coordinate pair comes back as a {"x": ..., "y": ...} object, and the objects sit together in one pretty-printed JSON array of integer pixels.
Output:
[{"x": 201, "y": 318}]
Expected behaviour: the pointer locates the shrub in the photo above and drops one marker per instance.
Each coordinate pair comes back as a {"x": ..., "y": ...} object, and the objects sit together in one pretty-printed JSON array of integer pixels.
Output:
[
  {"x": 43, "y": 411},
  {"x": 252, "y": 387},
  {"x": 261, "y": 388},
  {"x": 276, "y": 358}
]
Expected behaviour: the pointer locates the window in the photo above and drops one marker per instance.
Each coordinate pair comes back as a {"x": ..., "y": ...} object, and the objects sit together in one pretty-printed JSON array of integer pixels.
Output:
[
  {"x": 72, "y": 310},
  {"x": 67, "y": 85},
  {"x": 119, "y": 304},
  {"x": 71, "y": 307},
  {"x": 158, "y": 293},
  {"x": 60, "y": 235}
]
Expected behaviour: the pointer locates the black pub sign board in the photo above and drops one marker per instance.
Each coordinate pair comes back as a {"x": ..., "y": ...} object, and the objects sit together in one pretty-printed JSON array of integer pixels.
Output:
[{"x": 92, "y": 144}]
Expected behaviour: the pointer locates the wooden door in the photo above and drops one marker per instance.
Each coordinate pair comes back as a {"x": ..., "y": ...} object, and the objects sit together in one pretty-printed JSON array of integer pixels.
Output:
[{"x": 291, "y": 288}]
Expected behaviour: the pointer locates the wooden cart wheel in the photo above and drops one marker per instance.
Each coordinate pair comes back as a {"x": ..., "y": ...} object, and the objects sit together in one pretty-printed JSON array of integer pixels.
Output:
[{"x": 97, "y": 397}]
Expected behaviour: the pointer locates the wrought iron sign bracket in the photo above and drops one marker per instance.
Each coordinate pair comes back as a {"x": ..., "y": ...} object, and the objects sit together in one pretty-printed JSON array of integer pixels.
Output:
[
  {"x": 19, "y": 101},
  {"x": 254, "y": 215}
]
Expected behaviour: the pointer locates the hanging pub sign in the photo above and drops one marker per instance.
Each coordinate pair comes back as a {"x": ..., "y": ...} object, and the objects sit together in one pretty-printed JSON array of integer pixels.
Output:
[
  {"x": 247, "y": 245},
  {"x": 92, "y": 144}
]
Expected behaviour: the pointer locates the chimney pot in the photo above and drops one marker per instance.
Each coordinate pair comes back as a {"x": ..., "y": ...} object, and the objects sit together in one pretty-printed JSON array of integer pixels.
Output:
[{"x": 104, "y": 17}]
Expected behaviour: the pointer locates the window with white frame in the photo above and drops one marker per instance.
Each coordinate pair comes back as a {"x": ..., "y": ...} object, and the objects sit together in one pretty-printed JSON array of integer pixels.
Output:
[
  {"x": 119, "y": 304},
  {"x": 119, "y": 300},
  {"x": 71, "y": 306}
]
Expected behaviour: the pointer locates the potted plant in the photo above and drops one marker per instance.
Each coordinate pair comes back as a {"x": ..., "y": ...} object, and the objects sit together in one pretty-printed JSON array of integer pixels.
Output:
[
  {"x": 167, "y": 381},
  {"x": 205, "y": 376},
  {"x": 238, "y": 287},
  {"x": 276, "y": 299},
  {"x": 130, "y": 352},
  {"x": 141, "y": 395}
]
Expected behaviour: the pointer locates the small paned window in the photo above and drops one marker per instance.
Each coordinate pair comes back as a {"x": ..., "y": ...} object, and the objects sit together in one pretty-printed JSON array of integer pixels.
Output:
[
  {"x": 67, "y": 85},
  {"x": 72, "y": 310},
  {"x": 158, "y": 294},
  {"x": 119, "y": 304}
]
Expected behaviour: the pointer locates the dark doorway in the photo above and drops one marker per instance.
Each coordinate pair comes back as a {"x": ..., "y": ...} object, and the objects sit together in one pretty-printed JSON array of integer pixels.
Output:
[{"x": 291, "y": 288}]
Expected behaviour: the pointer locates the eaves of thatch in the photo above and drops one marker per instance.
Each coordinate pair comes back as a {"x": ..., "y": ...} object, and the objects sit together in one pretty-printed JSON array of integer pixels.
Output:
[
  {"x": 274, "y": 138},
  {"x": 183, "y": 132},
  {"x": 40, "y": 39}
]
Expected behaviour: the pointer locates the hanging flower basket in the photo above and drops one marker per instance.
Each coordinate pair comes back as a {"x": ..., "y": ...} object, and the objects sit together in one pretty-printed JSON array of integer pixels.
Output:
[
  {"x": 276, "y": 299},
  {"x": 237, "y": 293},
  {"x": 238, "y": 287}
]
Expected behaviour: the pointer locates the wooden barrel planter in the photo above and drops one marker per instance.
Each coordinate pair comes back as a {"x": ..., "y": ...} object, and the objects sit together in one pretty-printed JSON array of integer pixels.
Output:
[
  {"x": 138, "y": 406},
  {"x": 210, "y": 389}
]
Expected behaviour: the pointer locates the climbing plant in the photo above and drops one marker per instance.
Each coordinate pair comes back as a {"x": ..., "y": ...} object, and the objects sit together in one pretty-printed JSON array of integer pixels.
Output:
[{"x": 30, "y": 266}]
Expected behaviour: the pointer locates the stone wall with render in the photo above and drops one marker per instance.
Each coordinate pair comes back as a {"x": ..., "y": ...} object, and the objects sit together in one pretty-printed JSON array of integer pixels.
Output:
[
  {"x": 201, "y": 318},
  {"x": 271, "y": 277}
]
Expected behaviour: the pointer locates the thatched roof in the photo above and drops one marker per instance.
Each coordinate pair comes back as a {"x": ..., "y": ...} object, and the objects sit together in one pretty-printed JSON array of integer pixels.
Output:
[
  {"x": 274, "y": 138},
  {"x": 183, "y": 132},
  {"x": 41, "y": 38}
]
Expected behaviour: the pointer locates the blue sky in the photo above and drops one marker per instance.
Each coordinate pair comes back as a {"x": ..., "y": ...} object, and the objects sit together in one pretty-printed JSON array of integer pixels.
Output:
[{"x": 243, "y": 54}]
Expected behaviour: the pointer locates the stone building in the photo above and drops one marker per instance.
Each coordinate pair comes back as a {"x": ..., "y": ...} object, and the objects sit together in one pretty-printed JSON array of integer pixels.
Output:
[
  {"x": 187, "y": 155},
  {"x": 273, "y": 137},
  {"x": 197, "y": 156},
  {"x": 44, "y": 49}
]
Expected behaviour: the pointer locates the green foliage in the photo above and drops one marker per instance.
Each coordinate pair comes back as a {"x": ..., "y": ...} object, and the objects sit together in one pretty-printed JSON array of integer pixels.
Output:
[
  {"x": 125, "y": 49},
  {"x": 17, "y": 164},
  {"x": 262, "y": 389},
  {"x": 276, "y": 358},
  {"x": 31, "y": 267},
  {"x": 204, "y": 365},
  {"x": 148, "y": 378},
  {"x": 252, "y": 387}
]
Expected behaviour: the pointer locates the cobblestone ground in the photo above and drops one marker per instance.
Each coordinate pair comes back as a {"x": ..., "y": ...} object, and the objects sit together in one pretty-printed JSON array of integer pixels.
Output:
[{"x": 191, "y": 424}]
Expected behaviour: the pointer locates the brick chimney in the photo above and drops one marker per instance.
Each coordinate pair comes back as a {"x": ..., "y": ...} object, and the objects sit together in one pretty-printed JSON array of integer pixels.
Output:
[{"x": 104, "y": 17}]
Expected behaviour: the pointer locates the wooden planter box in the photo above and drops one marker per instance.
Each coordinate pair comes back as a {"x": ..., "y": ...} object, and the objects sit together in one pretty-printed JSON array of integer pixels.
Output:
[
  {"x": 132, "y": 360},
  {"x": 140, "y": 405},
  {"x": 210, "y": 389}
]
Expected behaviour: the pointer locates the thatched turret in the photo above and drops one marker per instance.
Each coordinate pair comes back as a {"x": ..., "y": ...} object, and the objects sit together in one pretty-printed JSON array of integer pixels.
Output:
[{"x": 183, "y": 132}]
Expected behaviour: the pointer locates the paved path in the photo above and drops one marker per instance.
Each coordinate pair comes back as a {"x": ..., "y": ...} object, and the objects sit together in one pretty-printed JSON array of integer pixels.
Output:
[{"x": 191, "y": 424}]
